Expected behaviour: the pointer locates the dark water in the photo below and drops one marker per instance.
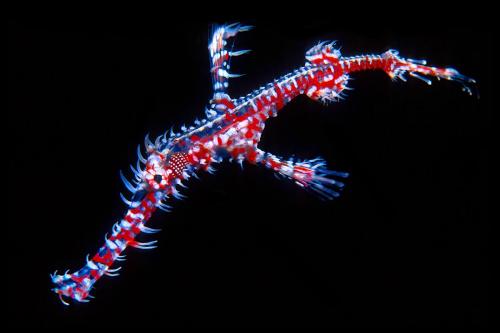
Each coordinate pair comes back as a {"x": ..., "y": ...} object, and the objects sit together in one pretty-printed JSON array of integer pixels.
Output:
[{"x": 405, "y": 246}]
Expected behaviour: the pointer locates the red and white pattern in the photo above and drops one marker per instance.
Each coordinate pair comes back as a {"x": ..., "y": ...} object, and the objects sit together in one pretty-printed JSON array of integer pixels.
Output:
[{"x": 233, "y": 128}]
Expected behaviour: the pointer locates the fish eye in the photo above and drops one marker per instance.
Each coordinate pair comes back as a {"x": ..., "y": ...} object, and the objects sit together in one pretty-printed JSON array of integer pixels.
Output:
[{"x": 158, "y": 178}]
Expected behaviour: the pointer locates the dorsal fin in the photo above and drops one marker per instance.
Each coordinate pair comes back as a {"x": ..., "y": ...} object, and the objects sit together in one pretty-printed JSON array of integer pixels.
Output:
[
  {"x": 322, "y": 52},
  {"x": 220, "y": 59}
]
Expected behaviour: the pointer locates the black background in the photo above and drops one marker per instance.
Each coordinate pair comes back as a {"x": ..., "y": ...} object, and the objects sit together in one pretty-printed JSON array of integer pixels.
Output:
[{"x": 405, "y": 246}]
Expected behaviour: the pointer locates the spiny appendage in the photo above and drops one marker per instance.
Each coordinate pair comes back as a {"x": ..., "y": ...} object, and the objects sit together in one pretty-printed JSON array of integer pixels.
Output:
[
  {"x": 310, "y": 174},
  {"x": 323, "y": 52},
  {"x": 221, "y": 62},
  {"x": 397, "y": 67}
]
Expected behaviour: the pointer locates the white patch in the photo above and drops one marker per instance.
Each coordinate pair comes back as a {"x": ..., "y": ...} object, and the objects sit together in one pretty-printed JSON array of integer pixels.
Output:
[
  {"x": 91, "y": 264},
  {"x": 223, "y": 138},
  {"x": 311, "y": 91},
  {"x": 110, "y": 244},
  {"x": 125, "y": 224},
  {"x": 253, "y": 104},
  {"x": 287, "y": 170},
  {"x": 340, "y": 79},
  {"x": 328, "y": 78},
  {"x": 231, "y": 131}
]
